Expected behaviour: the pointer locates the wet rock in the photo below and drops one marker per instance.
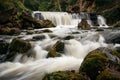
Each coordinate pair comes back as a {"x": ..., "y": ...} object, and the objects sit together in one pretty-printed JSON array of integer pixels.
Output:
[
  {"x": 93, "y": 18},
  {"x": 46, "y": 31},
  {"x": 3, "y": 50},
  {"x": 9, "y": 31},
  {"x": 3, "y": 47},
  {"x": 69, "y": 37},
  {"x": 83, "y": 24},
  {"x": 65, "y": 75},
  {"x": 97, "y": 61},
  {"x": 19, "y": 45},
  {"x": 56, "y": 49},
  {"x": 99, "y": 29},
  {"x": 41, "y": 37},
  {"x": 114, "y": 39}
]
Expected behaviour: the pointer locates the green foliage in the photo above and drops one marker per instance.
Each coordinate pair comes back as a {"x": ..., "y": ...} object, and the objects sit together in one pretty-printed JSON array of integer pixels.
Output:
[
  {"x": 32, "y": 4},
  {"x": 113, "y": 15},
  {"x": 9, "y": 4},
  {"x": 48, "y": 5}
]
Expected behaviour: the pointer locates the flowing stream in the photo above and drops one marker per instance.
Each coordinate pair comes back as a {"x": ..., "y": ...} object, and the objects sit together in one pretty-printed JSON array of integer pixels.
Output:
[{"x": 37, "y": 65}]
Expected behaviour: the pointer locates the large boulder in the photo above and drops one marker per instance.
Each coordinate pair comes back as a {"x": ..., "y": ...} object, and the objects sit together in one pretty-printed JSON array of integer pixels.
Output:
[{"x": 98, "y": 60}]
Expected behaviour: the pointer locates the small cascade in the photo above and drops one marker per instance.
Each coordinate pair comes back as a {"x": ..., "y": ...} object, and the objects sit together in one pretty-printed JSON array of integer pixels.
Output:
[
  {"x": 58, "y": 18},
  {"x": 102, "y": 21},
  {"x": 64, "y": 18}
]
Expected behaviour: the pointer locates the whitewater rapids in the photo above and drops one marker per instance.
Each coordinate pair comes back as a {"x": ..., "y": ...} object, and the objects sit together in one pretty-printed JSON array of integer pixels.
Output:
[{"x": 35, "y": 67}]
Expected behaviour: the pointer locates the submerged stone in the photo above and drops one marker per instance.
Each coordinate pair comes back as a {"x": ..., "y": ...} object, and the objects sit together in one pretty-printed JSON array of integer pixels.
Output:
[
  {"x": 41, "y": 37},
  {"x": 46, "y": 31},
  {"x": 69, "y": 37}
]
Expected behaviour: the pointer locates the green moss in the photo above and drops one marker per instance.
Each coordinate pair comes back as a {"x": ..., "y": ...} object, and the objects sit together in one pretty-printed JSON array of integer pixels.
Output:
[
  {"x": 58, "y": 47},
  {"x": 64, "y": 75},
  {"x": 98, "y": 54},
  {"x": 107, "y": 75},
  {"x": 92, "y": 67},
  {"x": 18, "y": 45},
  {"x": 94, "y": 63}
]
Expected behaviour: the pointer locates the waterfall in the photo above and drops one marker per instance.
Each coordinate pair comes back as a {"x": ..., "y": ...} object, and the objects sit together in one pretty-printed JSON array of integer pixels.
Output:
[
  {"x": 34, "y": 64},
  {"x": 64, "y": 18}
]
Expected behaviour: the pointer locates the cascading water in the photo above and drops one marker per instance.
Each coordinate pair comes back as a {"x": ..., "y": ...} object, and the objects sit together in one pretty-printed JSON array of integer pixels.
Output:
[
  {"x": 64, "y": 18},
  {"x": 35, "y": 66}
]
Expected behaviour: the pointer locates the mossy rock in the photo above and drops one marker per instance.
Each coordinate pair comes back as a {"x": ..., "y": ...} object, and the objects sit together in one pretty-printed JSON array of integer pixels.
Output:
[
  {"x": 109, "y": 75},
  {"x": 19, "y": 45},
  {"x": 65, "y": 75},
  {"x": 53, "y": 53},
  {"x": 93, "y": 64},
  {"x": 98, "y": 60},
  {"x": 57, "y": 48},
  {"x": 83, "y": 24}
]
